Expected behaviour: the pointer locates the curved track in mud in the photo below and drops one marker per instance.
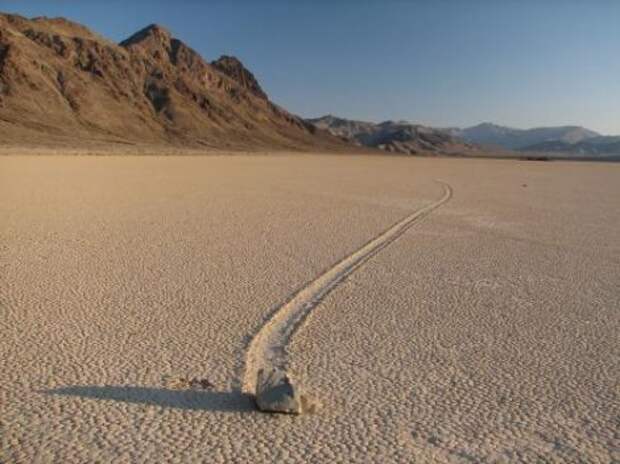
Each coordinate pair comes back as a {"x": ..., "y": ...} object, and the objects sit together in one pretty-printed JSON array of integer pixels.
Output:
[{"x": 268, "y": 347}]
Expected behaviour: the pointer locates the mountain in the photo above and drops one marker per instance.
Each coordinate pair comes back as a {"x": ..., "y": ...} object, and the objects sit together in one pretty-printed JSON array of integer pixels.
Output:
[
  {"x": 395, "y": 136},
  {"x": 60, "y": 82},
  {"x": 234, "y": 69},
  {"x": 516, "y": 139},
  {"x": 344, "y": 128},
  {"x": 602, "y": 147}
]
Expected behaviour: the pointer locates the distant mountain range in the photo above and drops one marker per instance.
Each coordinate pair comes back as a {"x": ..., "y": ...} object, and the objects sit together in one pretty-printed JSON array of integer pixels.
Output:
[
  {"x": 569, "y": 141},
  {"x": 480, "y": 140},
  {"x": 517, "y": 139},
  {"x": 602, "y": 147},
  {"x": 396, "y": 136}
]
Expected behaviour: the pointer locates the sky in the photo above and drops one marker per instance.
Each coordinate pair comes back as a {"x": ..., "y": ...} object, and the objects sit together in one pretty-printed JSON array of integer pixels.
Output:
[{"x": 441, "y": 63}]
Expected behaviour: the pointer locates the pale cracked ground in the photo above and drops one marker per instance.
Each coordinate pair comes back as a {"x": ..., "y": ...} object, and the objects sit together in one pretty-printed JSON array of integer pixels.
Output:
[{"x": 488, "y": 332}]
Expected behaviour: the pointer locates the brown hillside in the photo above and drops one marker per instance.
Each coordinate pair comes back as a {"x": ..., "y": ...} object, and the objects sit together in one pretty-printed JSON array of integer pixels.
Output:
[
  {"x": 61, "y": 82},
  {"x": 233, "y": 68}
]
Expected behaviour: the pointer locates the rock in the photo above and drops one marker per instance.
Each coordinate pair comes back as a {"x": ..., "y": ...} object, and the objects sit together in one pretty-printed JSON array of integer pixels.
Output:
[
  {"x": 275, "y": 392},
  {"x": 182, "y": 383}
]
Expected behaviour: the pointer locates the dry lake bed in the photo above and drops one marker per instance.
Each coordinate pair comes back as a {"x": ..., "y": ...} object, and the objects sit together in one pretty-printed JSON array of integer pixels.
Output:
[{"x": 482, "y": 331}]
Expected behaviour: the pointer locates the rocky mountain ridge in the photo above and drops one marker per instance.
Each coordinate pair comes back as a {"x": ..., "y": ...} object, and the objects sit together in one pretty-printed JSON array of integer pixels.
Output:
[
  {"x": 61, "y": 82},
  {"x": 396, "y": 136},
  {"x": 484, "y": 139}
]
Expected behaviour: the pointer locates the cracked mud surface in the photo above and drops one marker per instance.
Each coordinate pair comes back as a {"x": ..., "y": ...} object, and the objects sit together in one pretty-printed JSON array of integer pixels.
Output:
[{"x": 486, "y": 333}]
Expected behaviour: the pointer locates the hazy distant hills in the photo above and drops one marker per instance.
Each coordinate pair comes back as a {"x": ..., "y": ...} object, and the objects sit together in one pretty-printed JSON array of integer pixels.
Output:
[
  {"x": 517, "y": 139},
  {"x": 481, "y": 140},
  {"x": 396, "y": 136},
  {"x": 595, "y": 147},
  {"x": 61, "y": 82},
  {"x": 562, "y": 141}
]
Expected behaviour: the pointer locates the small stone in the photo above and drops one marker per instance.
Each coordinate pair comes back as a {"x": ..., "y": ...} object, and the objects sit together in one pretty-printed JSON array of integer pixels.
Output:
[
  {"x": 200, "y": 384},
  {"x": 309, "y": 405},
  {"x": 275, "y": 392}
]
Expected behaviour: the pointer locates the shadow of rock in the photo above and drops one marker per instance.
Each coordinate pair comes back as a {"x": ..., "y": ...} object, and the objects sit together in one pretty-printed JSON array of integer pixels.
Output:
[{"x": 195, "y": 400}]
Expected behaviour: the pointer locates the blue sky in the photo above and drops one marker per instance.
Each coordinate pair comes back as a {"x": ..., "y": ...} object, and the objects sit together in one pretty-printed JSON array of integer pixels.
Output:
[{"x": 443, "y": 63}]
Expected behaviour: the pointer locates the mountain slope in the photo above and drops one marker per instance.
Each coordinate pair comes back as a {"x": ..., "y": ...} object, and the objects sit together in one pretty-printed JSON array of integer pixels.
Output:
[
  {"x": 60, "y": 81},
  {"x": 234, "y": 69},
  {"x": 511, "y": 139},
  {"x": 344, "y": 128},
  {"x": 595, "y": 147},
  {"x": 395, "y": 136}
]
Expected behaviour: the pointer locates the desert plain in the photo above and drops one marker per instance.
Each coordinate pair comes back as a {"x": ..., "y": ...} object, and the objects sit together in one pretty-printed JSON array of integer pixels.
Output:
[{"x": 486, "y": 332}]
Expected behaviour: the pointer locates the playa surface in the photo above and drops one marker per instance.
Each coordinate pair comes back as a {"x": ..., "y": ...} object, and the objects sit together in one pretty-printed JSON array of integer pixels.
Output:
[{"x": 485, "y": 332}]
